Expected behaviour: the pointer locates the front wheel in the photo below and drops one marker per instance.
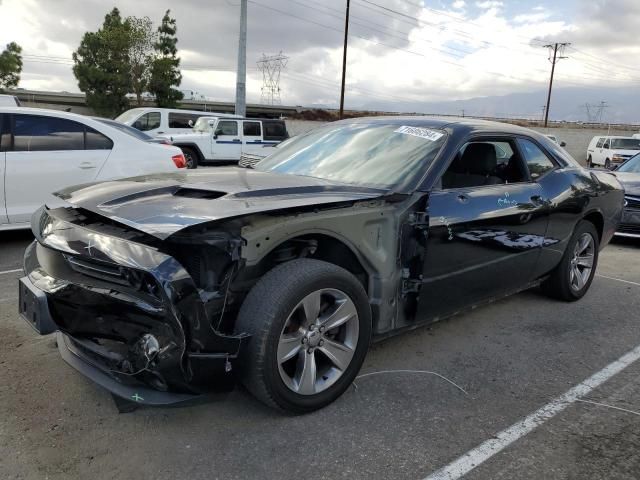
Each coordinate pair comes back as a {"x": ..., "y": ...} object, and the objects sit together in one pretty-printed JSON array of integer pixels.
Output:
[
  {"x": 573, "y": 276},
  {"x": 310, "y": 327},
  {"x": 191, "y": 157},
  {"x": 607, "y": 164},
  {"x": 590, "y": 162}
]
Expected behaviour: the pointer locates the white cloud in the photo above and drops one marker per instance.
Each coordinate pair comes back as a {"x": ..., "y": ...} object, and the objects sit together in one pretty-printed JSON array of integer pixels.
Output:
[
  {"x": 486, "y": 4},
  {"x": 451, "y": 54}
]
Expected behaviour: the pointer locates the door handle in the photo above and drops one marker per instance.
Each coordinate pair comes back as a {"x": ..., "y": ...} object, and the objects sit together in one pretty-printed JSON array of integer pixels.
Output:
[
  {"x": 86, "y": 166},
  {"x": 159, "y": 132},
  {"x": 462, "y": 198}
]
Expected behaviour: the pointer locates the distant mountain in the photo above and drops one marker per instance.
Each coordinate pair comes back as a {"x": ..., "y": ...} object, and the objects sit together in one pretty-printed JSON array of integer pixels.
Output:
[{"x": 623, "y": 105}]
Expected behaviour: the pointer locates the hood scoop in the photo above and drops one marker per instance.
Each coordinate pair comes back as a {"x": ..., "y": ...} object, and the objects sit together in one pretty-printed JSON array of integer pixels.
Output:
[{"x": 187, "y": 192}]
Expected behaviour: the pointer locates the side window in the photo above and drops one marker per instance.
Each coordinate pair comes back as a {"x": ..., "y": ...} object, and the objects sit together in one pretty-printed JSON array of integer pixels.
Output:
[
  {"x": 148, "y": 121},
  {"x": 96, "y": 140},
  {"x": 274, "y": 131},
  {"x": 5, "y": 133},
  {"x": 537, "y": 161},
  {"x": 35, "y": 133},
  {"x": 251, "y": 129},
  {"x": 486, "y": 162},
  {"x": 600, "y": 142},
  {"x": 226, "y": 127},
  {"x": 181, "y": 120}
]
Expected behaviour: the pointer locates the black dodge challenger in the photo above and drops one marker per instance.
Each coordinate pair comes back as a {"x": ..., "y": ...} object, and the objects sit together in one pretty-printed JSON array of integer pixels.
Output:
[{"x": 167, "y": 288}]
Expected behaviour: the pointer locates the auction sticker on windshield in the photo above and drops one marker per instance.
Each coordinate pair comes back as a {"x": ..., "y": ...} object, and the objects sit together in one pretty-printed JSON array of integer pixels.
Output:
[{"x": 425, "y": 133}]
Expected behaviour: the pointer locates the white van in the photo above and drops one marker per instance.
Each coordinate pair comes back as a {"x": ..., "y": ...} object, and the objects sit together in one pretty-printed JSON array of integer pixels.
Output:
[
  {"x": 164, "y": 121},
  {"x": 607, "y": 151}
]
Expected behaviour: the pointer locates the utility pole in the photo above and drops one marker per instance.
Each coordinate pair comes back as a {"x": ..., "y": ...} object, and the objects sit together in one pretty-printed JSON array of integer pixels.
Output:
[
  {"x": 344, "y": 58},
  {"x": 556, "y": 47},
  {"x": 241, "y": 75}
]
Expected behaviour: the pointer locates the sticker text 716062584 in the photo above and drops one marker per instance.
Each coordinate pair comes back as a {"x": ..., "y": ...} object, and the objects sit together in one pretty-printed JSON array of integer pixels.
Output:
[{"x": 426, "y": 133}]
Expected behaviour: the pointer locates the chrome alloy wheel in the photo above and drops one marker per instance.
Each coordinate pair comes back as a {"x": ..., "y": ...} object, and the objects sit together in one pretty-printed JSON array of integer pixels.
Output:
[
  {"x": 581, "y": 264},
  {"x": 318, "y": 341}
]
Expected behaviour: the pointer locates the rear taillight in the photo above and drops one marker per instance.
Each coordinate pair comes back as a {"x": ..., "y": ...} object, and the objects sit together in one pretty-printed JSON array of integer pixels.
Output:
[{"x": 179, "y": 160}]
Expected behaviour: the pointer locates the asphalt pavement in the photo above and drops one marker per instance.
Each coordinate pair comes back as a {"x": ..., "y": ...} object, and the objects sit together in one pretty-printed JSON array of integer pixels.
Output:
[{"x": 511, "y": 360}]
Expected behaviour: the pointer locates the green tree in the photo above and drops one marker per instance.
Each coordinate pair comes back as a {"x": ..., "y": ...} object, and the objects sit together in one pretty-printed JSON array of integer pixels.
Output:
[
  {"x": 10, "y": 66},
  {"x": 165, "y": 71},
  {"x": 102, "y": 66},
  {"x": 141, "y": 53}
]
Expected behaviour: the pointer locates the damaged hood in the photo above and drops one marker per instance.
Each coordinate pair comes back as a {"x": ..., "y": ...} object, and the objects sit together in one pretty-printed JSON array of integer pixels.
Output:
[{"x": 163, "y": 204}]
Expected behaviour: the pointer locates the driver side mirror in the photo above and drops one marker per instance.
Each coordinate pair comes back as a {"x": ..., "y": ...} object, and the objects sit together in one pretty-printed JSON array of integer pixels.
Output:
[
  {"x": 563, "y": 144},
  {"x": 606, "y": 146},
  {"x": 216, "y": 133}
]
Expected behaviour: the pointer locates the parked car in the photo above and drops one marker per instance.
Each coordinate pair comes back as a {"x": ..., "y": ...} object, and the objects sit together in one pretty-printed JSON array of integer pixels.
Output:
[
  {"x": 164, "y": 121},
  {"x": 281, "y": 276},
  {"x": 218, "y": 139},
  {"x": 629, "y": 176},
  {"x": 42, "y": 151},
  {"x": 554, "y": 139},
  {"x": 249, "y": 160},
  {"x": 9, "y": 101},
  {"x": 134, "y": 132},
  {"x": 608, "y": 151}
]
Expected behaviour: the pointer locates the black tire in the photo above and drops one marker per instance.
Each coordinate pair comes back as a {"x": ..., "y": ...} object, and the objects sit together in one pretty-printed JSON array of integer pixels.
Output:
[
  {"x": 590, "y": 162},
  {"x": 191, "y": 156},
  {"x": 264, "y": 314},
  {"x": 607, "y": 164},
  {"x": 558, "y": 285}
]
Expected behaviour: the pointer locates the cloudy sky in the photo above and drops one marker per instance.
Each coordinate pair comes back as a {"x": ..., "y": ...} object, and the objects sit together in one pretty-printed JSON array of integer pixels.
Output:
[{"x": 400, "y": 51}]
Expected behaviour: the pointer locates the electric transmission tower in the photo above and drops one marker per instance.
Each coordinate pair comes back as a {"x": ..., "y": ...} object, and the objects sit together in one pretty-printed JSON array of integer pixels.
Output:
[
  {"x": 271, "y": 66},
  {"x": 595, "y": 111}
]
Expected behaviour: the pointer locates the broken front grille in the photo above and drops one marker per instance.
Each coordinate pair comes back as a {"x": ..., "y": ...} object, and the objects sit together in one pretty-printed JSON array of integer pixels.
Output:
[{"x": 98, "y": 269}]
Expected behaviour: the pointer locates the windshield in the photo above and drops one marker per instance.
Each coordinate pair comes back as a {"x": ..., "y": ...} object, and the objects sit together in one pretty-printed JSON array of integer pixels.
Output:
[
  {"x": 134, "y": 132},
  {"x": 625, "y": 143},
  {"x": 375, "y": 155},
  {"x": 631, "y": 165},
  {"x": 129, "y": 116}
]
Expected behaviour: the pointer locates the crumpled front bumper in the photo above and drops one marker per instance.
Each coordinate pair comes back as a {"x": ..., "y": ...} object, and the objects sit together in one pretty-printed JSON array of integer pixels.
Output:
[{"x": 103, "y": 293}]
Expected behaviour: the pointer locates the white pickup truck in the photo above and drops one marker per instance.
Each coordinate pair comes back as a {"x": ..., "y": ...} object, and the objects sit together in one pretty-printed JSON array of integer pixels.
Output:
[{"x": 218, "y": 139}]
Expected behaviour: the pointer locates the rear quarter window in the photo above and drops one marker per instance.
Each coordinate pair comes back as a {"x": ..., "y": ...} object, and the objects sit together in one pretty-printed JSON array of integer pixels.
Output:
[
  {"x": 97, "y": 141},
  {"x": 274, "y": 131}
]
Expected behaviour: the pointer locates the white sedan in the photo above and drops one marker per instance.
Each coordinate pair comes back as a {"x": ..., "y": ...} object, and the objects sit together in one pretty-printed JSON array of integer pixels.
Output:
[{"x": 42, "y": 151}]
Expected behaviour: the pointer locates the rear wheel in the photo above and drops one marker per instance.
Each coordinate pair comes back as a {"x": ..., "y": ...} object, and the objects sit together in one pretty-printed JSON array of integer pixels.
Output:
[
  {"x": 310, "y": 326},
  {"x": 573, "y": 276},
  {"x": 191, "y": 157}
]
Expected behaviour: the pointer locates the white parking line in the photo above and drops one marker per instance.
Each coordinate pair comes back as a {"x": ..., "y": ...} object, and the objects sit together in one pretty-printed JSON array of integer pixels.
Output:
[
  {"x": 618, "y": 279},
  {"x": 11, "y": 271},
  {"x": 502, "y": 440}
]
